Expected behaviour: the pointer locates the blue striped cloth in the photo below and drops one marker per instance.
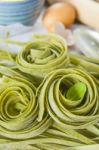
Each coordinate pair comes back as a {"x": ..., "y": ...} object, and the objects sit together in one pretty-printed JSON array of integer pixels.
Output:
[{"x": 25, "y": 12}]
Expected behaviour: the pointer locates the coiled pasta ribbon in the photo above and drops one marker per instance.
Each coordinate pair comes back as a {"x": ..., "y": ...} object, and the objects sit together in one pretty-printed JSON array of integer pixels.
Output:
[
  {"x": 70, "y": 96},
  {"x": 46, "y": 53},
  {"x": 18, "y": 108}
]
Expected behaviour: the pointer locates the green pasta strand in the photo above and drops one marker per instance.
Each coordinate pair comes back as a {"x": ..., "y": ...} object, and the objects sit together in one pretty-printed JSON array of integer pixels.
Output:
[
  {"x": 89, "y": 64},
  {"x": 7, "y": 58}
]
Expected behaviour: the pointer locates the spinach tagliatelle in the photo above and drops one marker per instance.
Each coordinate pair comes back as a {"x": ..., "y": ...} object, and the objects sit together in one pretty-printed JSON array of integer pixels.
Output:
[
  {"x": 44, "y": 54},
  {"x": 18, "y": 108},
  {"x": 67, "y": 109},
  {"x": 58, "y": 112}
]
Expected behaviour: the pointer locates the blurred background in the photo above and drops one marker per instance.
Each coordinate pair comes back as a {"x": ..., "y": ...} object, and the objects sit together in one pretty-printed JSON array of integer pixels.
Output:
[{"x": 77, "y": 21}]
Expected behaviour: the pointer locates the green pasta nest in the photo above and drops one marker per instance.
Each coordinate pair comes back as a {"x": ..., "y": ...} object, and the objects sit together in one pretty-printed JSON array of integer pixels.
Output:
[{"x": 49, "y": 99}]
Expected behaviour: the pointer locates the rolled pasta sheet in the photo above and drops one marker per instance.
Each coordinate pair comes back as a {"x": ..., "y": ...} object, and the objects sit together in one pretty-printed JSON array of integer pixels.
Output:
[
  {"x": 70, "y": 96},
  {"x": 18, "y": 108},
  {"x": 45, "y": 54}
]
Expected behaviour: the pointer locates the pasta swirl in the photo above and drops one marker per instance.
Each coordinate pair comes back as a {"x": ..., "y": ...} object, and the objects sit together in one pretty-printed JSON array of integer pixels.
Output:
[
  {"x": 70, "y": 96},
  {"x": 18, "y": 107},
  {"x": 45, "y": 54}
]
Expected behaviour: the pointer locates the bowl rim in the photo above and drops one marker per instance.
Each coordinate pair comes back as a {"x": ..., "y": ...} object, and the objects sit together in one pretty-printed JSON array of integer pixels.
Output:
[{"x": 15, "y": 2}]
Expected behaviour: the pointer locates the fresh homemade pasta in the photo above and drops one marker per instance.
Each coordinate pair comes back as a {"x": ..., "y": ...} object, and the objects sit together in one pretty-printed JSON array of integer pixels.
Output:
[{"x": 59, "y": 112}]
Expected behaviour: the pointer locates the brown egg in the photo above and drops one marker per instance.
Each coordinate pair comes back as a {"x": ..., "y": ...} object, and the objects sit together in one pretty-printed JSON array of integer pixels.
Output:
[{"x": 59, "y": 12}]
